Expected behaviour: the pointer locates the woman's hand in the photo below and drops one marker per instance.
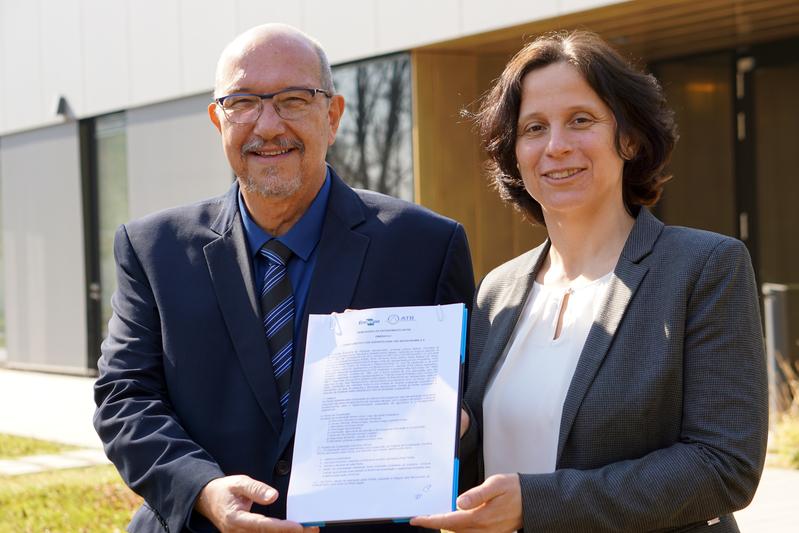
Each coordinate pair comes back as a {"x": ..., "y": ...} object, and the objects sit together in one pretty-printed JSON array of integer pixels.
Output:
[
  {"x": 494, "y": 506},
  {"x": 464, "y": 422}
]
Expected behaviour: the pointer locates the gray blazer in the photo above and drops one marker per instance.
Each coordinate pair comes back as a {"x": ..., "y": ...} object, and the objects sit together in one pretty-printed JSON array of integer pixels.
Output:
[{"x": 665, "y": 422}]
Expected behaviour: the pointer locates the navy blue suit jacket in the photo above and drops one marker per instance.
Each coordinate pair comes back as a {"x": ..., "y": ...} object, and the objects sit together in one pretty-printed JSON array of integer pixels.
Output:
[{"x": 186, "y": 392}]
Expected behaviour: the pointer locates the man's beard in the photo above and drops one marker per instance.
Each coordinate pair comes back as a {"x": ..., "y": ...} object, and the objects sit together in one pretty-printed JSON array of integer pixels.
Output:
[{"x": 270, "y": 184}]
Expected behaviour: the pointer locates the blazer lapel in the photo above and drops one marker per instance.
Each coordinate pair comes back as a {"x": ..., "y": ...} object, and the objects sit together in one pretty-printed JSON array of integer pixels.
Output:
[
  {"x": 509, "y": 305},
  {"x": 230, "y": 266},
  {"x": 338, "y": 266},
  {"x": 627, "y": 276}
]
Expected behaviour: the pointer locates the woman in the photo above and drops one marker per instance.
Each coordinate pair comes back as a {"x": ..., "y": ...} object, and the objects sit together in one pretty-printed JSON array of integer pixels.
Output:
[{"x": 617, "y": 377}]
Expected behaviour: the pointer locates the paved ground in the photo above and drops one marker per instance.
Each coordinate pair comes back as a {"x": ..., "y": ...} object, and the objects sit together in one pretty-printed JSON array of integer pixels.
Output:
[
  {"x": 59, "y": 408},
  {"x": 48, "y": 406},
  {"x": 775, "y": 502}
]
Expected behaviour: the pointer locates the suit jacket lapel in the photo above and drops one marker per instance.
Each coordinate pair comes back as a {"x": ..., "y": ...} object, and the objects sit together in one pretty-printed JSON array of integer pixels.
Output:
[
  {"x": 338, "y": 266},
  {"x": 509, "y": 305},
  {"x": 230, "y": 266},
  {"x": 627, "y": 276}
]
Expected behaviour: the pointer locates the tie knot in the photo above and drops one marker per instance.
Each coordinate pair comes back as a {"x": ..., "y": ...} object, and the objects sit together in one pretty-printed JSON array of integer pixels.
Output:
[{"x": 276, "y": 252}]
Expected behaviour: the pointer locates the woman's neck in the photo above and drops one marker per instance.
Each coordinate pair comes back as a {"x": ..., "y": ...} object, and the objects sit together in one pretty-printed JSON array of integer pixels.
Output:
[{"x": 584, "y": 247}]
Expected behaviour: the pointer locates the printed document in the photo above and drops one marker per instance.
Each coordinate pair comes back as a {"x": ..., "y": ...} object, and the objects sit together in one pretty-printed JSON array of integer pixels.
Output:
[{"x": 377, "y": 427}]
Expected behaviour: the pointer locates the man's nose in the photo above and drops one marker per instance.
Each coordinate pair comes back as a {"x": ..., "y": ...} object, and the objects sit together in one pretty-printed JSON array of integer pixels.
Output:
[{"x": 269, "y": 124}]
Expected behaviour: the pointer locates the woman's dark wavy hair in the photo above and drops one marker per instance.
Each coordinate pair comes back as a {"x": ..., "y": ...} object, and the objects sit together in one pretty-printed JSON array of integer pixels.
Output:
[{"x": 635, "y": 98}]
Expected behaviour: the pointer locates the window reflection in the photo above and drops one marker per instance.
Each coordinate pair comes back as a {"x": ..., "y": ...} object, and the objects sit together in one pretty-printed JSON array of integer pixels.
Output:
[
  {"x": 373, "y": 148},
  {"x": 112, "y": 192}
]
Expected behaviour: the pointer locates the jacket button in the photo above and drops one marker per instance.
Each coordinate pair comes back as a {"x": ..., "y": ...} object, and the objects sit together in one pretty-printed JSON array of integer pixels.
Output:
[{"x": 282, "y": 468}]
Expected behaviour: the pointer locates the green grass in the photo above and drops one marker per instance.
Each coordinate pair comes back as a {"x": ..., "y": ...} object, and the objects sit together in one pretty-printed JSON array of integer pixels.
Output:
[
  {"x": 12, "y": 446},
  {"x": 79, "y": 500}
]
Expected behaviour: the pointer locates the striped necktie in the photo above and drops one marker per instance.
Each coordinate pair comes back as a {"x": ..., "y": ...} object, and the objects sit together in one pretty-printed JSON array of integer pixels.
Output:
[{"x": 277, "y": 309}]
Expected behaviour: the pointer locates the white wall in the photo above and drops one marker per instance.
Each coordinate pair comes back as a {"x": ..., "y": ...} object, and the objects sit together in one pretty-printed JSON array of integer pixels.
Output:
[
  {"x": 108, "y": 55},
  {"x": 174, "y": 155},
  {"x": 42, "y": 221}
]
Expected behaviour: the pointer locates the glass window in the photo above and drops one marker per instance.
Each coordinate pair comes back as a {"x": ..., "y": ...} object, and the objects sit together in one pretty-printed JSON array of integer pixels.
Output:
[
  {"x": 373, "y": 148},
  {"x": 775, "y": 88},
  {"x": 112, "y": 200},
  {"x": 702, "y": 193}
]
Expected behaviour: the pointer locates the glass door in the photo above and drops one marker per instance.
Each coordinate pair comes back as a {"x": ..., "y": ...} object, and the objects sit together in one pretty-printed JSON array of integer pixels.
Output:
[
  {"x": 774, "y": 87},
  {"x": 105, "y": 208},
  {"x": 775, "y": 91}
]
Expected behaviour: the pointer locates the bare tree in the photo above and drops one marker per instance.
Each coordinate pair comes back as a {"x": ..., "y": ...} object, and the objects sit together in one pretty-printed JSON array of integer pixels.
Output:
[{"x": 375, "y": 135}]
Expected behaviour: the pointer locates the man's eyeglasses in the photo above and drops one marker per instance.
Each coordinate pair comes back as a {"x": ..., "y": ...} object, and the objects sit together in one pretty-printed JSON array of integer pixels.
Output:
[{"x": 291, "y": 103}]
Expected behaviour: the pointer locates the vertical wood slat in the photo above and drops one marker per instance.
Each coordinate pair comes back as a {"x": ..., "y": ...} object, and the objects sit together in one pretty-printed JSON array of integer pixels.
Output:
[{"x": 448, "y": 162}]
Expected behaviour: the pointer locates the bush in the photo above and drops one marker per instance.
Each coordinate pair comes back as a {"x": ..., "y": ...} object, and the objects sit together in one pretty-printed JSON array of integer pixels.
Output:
[{"x": 784, "y": 441}]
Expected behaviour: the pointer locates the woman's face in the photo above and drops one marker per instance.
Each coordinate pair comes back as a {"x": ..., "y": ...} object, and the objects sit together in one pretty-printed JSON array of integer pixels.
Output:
[{"x": 565, "y": 144}]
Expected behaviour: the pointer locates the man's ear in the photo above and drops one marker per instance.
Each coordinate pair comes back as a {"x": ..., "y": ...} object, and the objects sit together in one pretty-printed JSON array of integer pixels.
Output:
[
  {"x": 213, "y": 114},
  {"x": 334, "y": 114}
]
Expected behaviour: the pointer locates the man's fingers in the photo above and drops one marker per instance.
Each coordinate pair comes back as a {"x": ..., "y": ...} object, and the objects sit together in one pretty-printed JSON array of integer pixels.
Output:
[{"x": 255, "y": 490}]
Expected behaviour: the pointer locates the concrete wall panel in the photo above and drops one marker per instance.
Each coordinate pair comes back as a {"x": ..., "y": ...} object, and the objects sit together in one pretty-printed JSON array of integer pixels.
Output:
[
  {"x": 344, "y": 37},
  {"x": 571, "y": 6},
  {"x": 109, "y": 55},
  {"x": 205, "y": 29},
  {"x": 174, "y": 156},
  {"x": 106, "y": 59},
  {"x": 154, "y": 50},
  {"x": 417, "y": 21},
  {"x": 477, "y": 18},
  {"x": 61, "y": 58},
  {"x": 3, "y": 47},
  {"x": 43, "y": 248},
  {"x": 20, "y": 30},
  {"x": 251, "y": 13}
]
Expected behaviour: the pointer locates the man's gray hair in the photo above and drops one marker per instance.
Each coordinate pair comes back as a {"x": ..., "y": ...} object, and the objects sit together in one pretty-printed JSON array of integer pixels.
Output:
[{"x": 325, "y": 72}]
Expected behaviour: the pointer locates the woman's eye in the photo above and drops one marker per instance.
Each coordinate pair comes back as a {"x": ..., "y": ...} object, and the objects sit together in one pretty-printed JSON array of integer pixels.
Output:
[
  {"x": 533, "y": 129},
  {"x": 582, "y": 121}
]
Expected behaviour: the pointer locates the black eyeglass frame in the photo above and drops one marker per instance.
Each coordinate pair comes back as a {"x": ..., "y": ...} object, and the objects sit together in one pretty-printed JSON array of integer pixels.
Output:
[{"x": 266, "y": 96}]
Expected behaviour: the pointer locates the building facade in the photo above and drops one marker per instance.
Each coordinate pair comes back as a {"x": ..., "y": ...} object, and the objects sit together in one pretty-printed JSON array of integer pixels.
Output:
[{"x": 103, "y": 119}]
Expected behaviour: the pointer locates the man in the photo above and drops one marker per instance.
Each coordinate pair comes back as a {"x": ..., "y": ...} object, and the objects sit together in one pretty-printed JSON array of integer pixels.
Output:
[{"x": 200, "y": 374}]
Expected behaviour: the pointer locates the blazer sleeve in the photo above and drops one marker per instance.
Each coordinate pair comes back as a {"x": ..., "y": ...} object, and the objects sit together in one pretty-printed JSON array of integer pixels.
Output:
[
  {"x": 456, "y": 279},
  {"x": 142, "y": 434},
  {"x": 715, "y": 466}
]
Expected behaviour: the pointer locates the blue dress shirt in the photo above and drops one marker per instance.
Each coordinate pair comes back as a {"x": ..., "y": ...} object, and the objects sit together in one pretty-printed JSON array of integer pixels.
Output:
[{"x": 302, "y": 240}]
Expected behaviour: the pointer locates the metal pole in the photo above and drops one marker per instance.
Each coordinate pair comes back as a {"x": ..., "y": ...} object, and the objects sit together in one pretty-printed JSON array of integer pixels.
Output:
[{"x": 778, "y": 343}]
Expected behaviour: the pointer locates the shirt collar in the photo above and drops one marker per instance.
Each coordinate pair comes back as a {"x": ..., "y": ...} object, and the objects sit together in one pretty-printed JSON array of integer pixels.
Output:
[{"x": 303, "y": 235}]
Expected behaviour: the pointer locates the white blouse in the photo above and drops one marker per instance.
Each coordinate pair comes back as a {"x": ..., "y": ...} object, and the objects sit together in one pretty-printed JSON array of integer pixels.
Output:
[{"x": 523, "y": 404}]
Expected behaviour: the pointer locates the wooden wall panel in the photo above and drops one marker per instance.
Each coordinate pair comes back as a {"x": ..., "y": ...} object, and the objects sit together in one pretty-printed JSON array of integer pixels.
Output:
[
  {"x": 448, "y": 162},
  {"x": 446, "y": 168}
]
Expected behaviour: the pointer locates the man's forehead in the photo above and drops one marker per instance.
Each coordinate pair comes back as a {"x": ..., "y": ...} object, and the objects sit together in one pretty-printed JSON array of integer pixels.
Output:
[
  {"x": 263, "y": 77},
  {"x": 271, "y": 60}
]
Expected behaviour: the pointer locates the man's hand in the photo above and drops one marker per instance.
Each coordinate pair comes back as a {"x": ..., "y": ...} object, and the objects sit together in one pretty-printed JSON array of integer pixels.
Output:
[
  {"x": 464, "y": 422},
  {"x": 226, "y": 502},
  {"x": 494, "y": 506}
]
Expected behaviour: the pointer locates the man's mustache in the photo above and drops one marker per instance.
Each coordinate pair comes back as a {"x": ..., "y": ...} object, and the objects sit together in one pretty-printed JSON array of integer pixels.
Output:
[{"x": 256, "y": 144}]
